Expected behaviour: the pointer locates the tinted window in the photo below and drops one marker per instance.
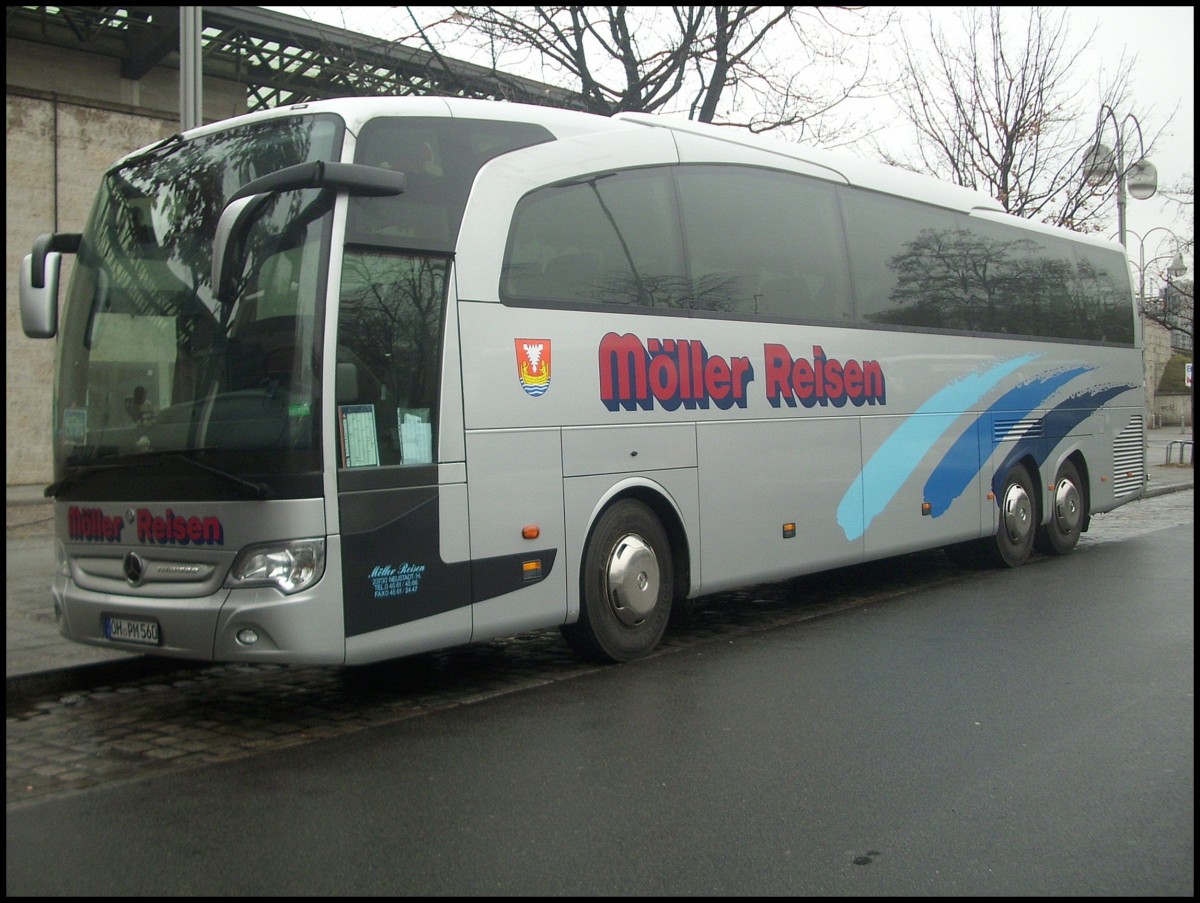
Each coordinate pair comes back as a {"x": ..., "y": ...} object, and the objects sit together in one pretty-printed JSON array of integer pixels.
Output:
[
  {"x": 439, "y": 158},
  {"x": 911, "y": 263},
  {"x": 608, "y": 239},
  {"x": 1102, "y": 278},
  {"x": 764, "y": 243},
  {"x": 916, "y": 265},
  {"x": 758, "y": 242}
]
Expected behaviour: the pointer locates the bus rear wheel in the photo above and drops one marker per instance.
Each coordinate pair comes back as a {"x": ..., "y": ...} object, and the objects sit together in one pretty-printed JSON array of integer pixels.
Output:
[
  {"x": 1013, "y": 542},
  {"x": 626, "y": 586},
  {"x": 1067, "y": 512}
]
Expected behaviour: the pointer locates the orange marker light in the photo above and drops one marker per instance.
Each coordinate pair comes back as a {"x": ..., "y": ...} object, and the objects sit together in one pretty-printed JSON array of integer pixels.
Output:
[{"x": 531, "y": 531}]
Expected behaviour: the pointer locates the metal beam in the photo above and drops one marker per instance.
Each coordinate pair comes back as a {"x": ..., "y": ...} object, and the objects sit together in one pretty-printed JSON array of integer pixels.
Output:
[{"x": 280, "y": 59}]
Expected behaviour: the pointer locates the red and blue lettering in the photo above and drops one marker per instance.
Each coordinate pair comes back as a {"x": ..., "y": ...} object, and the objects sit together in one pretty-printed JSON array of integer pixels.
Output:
[
  {"x": 822, "y": 380},
  {"x": 669, "y": 372}
]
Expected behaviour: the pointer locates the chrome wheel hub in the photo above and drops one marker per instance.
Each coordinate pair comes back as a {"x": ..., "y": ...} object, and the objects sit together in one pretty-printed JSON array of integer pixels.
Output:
[
  {"x": 1068, "y": 507},
  {"x": 1016, "y": 513},
  {"x": 632, "y": 580}
]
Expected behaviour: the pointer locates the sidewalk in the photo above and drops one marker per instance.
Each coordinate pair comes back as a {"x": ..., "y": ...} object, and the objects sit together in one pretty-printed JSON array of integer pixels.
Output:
[{"x": 36, "y": 653}]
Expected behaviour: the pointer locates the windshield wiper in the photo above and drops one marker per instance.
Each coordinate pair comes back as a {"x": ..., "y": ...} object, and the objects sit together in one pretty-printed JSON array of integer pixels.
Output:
[
  {"x": 251, "y": 488},
  {"x": 163, "y": 148}
]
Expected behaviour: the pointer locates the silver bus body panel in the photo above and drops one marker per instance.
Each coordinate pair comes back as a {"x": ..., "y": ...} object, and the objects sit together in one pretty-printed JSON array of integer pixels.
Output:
[
  {"x": 800, "y": 468},
  {"x": 454, "y": 536},
  {"x": 514, "y": 481},
  {"x": 450, "y": 430},
  {"x": 760, "y": 467},
  {"x": 440, "y": 631},
  {"x": 632, "y": 448}
]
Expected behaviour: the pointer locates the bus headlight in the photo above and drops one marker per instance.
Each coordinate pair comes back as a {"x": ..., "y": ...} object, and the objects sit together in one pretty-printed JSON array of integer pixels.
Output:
[{"x": 289, "y": 566}]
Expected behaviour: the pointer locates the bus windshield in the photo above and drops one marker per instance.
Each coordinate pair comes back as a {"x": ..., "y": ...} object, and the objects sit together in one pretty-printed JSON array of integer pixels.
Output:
[{"x": 151, "y": 363}]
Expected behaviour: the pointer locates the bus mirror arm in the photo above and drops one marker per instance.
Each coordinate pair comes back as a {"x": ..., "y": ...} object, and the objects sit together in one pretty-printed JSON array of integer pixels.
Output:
[
  {"x": 248, "y": 201},
  {"x": 43, "y": 245},
  {"x": 353, "y": 178},
  {"x": 39, "y": 283}
]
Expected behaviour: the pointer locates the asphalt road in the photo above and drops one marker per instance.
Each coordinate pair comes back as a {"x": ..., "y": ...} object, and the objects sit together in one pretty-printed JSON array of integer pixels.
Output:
[{"x": 1019, "y": 732}]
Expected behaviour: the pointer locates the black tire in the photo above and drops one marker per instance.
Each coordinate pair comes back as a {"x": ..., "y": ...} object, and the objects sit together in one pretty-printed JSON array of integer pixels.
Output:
[
  {"x": 1068, "y": 509},
  {"x": 626, "y": 586},
  {"x": 1018, "y": 501}
]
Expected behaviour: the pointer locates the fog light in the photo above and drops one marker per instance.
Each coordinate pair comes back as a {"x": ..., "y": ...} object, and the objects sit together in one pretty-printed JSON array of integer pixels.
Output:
[{"x": 247, "y": 637}]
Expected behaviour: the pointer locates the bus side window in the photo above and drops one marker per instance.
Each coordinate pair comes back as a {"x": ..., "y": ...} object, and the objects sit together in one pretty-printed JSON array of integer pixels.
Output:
[
  {"x": 610, "y": 239},
  {"x": 777, "y": 237}
]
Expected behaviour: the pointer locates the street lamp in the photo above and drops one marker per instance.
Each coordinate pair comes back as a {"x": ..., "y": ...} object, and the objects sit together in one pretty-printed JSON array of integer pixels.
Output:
[{"x": 1101, "y": 164}]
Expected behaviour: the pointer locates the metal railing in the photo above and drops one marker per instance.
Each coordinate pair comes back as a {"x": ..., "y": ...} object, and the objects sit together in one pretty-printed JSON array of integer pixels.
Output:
[{"x": 1184, "y": 445}]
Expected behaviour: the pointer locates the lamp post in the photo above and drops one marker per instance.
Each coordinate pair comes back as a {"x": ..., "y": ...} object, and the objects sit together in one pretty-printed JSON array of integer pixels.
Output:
[{"x": 1102, "y": 163}]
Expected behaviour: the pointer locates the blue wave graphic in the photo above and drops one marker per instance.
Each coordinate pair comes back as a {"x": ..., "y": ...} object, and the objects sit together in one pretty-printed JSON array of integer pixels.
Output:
[
  {"x": 961, "y": 463},
  {"x": 1066, "y": 416},
  {"x": 900, "y": 454}
]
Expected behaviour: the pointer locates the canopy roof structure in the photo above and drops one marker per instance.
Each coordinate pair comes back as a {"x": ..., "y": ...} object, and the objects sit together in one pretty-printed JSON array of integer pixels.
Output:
[{"x": 281, "y": 59}]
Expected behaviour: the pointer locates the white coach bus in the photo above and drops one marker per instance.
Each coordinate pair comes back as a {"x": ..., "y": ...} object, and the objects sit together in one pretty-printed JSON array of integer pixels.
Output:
[{"x": 356, "y": 379}]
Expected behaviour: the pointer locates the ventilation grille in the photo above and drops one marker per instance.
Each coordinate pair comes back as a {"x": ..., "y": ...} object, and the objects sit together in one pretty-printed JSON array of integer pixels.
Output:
[
  {"x": 1129, "y": 459},
  {"x": 1016, "y": 428}
]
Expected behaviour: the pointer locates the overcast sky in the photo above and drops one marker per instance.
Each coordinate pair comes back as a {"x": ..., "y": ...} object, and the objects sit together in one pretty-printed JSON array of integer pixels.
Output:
[
  {"x": 1163, "y": 40},
  {"x": 1160, "y": 39}
]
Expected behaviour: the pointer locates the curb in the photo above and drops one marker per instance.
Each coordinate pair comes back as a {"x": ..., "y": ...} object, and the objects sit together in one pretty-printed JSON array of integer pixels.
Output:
[{"x": 24, "y": 689}]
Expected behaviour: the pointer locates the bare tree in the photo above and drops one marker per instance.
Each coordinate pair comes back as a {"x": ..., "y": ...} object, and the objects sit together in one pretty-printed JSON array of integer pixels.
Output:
[
  {"x": 757, "y": 67},
  {"x": 1002, "y": 112}
]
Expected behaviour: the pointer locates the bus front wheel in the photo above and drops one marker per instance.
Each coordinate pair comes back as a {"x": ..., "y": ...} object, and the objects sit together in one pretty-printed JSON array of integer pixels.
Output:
[{"x": 626, "y": 586}]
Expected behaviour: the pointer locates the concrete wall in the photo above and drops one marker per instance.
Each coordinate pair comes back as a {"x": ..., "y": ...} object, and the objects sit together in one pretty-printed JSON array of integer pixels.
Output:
[{"x": 68, "y": 116}]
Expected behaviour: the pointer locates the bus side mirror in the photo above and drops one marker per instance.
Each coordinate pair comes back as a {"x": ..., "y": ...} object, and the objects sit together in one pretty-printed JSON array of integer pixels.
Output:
[
  {"x": 39, "y": 283},
  {"x": 39, "y": 306}
]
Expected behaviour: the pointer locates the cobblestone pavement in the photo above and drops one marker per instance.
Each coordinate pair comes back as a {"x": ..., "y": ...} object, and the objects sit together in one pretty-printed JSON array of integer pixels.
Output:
[{"x": 187, "y": 716}]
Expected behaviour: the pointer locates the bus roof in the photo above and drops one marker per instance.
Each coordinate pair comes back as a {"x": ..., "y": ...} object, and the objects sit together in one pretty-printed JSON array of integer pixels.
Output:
[{"x": 571, "y": 123}]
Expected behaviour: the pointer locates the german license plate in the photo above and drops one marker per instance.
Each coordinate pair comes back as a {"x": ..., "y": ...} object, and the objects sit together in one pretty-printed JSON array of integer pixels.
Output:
[{"x": 131, "y": 630}]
